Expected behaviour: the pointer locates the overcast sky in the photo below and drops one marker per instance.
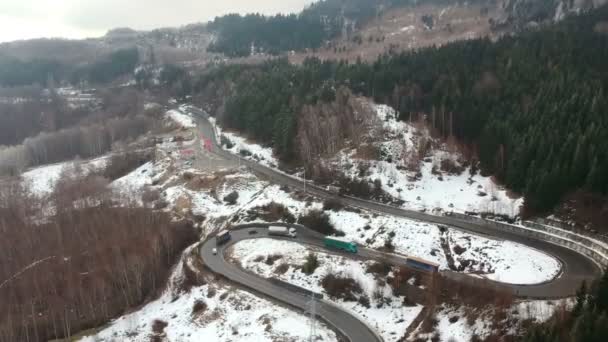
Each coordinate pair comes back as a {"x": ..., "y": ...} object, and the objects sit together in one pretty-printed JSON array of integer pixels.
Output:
[{"x": 24, "y": 19}]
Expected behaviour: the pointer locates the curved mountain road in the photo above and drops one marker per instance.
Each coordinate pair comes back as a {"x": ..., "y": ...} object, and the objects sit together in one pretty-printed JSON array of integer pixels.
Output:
[
  {"x": 346, "y": 324},
  {"x": 575, "y": 267}
]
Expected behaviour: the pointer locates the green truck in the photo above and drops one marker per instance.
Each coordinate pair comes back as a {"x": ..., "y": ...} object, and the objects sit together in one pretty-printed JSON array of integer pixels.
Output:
[{"x": 338, "y": 243}]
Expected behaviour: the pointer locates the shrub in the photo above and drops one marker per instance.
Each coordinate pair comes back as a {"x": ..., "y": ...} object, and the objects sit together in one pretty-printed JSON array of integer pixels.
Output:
[
  {"x": 273, "y": 212},
  {"x": 272, "y": 258},
  {"x": 158, "y": 326},
  {"x": 226, "y": 142},
  {"x": 333, "y": 204},
  {"x": 379, "y": 268},
  {"x": 364, "y": 300},
  {"x": 311, "y": 264},
  {"x": 199, "y": 306},
  {"x": 231, "y": 198},
  {"x": 341, "y": 287},
  {"x": 282, "y": 268},
  {"x": 318, "y": 221}
]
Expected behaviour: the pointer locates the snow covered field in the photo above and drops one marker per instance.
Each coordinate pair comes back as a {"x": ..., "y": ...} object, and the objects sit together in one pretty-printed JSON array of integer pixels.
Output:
[{"x": 390, "y": 320}]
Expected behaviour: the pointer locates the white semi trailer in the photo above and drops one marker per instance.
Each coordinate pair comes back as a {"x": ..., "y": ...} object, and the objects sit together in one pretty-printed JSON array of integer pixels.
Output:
[{"x": 282, "y": 231}]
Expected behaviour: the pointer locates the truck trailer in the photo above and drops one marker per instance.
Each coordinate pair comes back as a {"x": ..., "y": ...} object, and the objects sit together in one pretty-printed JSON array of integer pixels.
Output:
[
  {"x": 282, "y": 231},
  {"x": 222, "y": 237},
  {"x": 338, "y": 243}
]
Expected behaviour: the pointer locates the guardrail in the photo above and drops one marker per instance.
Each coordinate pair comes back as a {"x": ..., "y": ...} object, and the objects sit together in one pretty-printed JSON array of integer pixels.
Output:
[{"x": 591, "y": 248}]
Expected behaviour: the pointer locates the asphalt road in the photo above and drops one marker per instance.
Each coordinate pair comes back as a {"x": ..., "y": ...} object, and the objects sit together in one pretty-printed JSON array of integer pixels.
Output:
[
  {"x": 347, "y": 325},
  {"x": 575, "y": 267}
]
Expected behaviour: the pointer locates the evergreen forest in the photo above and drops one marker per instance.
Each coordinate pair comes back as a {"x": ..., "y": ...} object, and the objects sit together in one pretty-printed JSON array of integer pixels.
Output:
[{"x": 532, "y": 106}]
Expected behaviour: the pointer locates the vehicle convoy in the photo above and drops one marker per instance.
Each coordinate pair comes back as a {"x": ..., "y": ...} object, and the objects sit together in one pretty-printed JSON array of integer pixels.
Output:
[
  {"x": 421, "y": 264},
  {"x": 222, "y": 237},
  {"x": 282, "y": 231},
  {"x": 339, "y": 243}
]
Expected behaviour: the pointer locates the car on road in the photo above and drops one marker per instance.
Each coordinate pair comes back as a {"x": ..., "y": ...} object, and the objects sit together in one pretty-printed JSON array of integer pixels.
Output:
[
  {"x": 253, "y": 232},
  {"x": 214, "y": 251}
]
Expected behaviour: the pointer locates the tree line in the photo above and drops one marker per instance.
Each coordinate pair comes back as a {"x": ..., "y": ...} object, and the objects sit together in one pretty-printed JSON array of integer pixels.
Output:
[
  {"x": 239, "y": 36},
  {"x": 587, "y": 321},
  {"x": 15, "y": 72},
  {"x": 531, "y": 106},
  {"x": 82, "y": 266},
  {"x": 82, "y": 141}
]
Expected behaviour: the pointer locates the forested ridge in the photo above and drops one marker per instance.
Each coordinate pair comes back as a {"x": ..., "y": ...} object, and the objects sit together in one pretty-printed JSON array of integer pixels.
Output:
[
  {"x": 533, "y": 106},
  {"x": 16, "y": 72},
  {"x": 316, "y": 24}
]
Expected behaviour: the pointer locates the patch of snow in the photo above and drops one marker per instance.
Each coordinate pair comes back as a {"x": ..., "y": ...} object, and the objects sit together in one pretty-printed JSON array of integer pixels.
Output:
[
  {"x": 390, "y": 320},
  {"x": 460, "y": 330},
  {"x": 431, "y": 188},
  {"x": 496, "y": 260},
  {"x": 182, "y": 119},
  {"x": 131, "y": 185},
  {"x": 41, "y": 181},
  {"x": 248, "y": 150},
  {"x": 230, "y": 315}
]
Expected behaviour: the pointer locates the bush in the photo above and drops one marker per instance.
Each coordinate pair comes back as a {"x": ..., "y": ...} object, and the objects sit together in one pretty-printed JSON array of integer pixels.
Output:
[
  {"x": 231, "y": 198},
  {"x": 272, "y": 258},
  {"x": 311, "y": 264},
  {"x": 282, "y": 268},
  {"x": 319, "y": 222},
  {"x": 199, "y": 306},
  {"x": 226, "y": 142},
  {"x": 379, "y": 268},
  {"x": 341, "y": 287},
  {"x": 274, "y": 212},
  {"x": 364, "y": 300},
  {"x": 158, "y": 326},
  {"x": 333, "y": 204}
]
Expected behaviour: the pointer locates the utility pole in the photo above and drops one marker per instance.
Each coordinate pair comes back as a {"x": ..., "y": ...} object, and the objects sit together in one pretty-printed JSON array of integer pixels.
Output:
[
  {"x": 304, "y": 180},
  {"x": 312, "y": 311}
]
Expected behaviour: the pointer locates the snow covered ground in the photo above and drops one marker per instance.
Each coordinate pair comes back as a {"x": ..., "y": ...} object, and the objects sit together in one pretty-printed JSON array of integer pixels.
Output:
[
  {"x": 496, "y": 260},
  {"x": 205, "y": 194},
  {"x": 246, "y": 149},
  {"x": 425, "y": 183},
  {"x": 227, "y": 314},
  {"x": 390, "y": 320},
  {"x": 41, "y": 181},
  {"x": 180, "y": 118},
  {"x": 420, "y": 184}
]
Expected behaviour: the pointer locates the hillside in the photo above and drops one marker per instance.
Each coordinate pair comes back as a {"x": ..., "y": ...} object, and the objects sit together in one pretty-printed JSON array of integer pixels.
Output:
[{"x": 509, "y": 103}]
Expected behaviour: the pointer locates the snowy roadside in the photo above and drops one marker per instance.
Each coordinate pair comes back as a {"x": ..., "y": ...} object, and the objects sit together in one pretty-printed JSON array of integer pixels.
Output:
[
  {"x": 212, "y": 312},
  {"x": 428, "y": 184},
  {"x": 385, "y": 313}
]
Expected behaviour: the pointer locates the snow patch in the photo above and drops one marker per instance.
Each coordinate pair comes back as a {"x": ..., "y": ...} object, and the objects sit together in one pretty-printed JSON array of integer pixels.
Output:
[
  {"x": 182, "y": 119},
  {"x": 390, "y": 320}
]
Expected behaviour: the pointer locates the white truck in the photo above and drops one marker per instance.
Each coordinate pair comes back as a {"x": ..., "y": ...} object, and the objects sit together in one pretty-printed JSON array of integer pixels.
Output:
[{"x": 282, "y": 231}]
